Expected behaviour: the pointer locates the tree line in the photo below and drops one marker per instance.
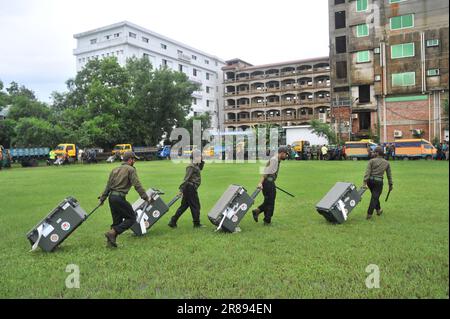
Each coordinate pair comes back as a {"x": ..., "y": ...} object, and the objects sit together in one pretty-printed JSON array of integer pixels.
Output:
[{"x": 104, "y": 104}]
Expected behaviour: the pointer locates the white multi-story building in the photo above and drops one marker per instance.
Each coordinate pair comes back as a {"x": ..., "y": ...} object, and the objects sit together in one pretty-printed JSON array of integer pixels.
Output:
[{"x": 124, "y": 40}]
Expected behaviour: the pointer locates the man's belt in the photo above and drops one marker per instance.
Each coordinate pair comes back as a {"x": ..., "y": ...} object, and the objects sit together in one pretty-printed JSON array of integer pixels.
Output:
[
  {"x": 376, "y": 178},
  {"x": 115, "y": 193}
]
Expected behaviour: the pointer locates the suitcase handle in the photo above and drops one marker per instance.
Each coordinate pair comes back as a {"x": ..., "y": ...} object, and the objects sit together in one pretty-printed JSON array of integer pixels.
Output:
[
  {"x": 255, "y": 193},
  {"x": 361, "y": 191},
  {"x": 174, "y": 200}
]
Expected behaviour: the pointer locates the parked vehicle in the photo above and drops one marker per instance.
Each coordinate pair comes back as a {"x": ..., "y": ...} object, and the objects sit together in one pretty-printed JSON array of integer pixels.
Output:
[
  {"x": 414, "y": 149},
  {"x": 144, "y": 152},
  {"x": 67, "y": 153},
  {"x": 20, "y": 154},
  {"x": 359, "y": 150}
]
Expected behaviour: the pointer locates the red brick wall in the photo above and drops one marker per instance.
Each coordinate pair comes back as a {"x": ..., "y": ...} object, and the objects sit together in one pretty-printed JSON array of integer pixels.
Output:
[{"x": 413, "y": 114}]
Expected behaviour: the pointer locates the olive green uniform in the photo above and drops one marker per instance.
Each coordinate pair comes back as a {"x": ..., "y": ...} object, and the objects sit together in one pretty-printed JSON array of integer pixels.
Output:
[
  {"x": 374, "y": 180},
  {"x": 120, "y": 181}
]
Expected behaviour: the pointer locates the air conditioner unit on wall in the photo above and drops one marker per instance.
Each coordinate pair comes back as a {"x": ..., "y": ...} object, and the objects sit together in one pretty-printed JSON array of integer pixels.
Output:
[
  {"x": 323, "y": 117},
  {"x": 398, "y": 134},
  {"x": 354, "y": 116}
]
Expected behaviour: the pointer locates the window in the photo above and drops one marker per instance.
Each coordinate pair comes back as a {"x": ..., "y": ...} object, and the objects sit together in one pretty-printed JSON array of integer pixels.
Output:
[
  {"x": 180, "y": 67},
  {"x": 361, "y": 5},
  {"x": 402, "y": 22},
  {"x": 107, "y": 37},
  {"x": 179, "y": 52},
  {"x": 341, "y": 44},
  {"x": 132, "y": 35},
  {"x": 433, "y": 72},
  {"x": 194, "y": 101},
  {"x": 145, "y": 39},
  {"x": 116, "y": 35},
  {"x": 208, "y": 103},
  {"x": 341, "y": 69},
  {"x": 362, "y": 30},
  {"x": 433, "y": 43},
  {"x": 364, "y": 94},
  {"x": 93, "y": 41},
  {"x": 207, "y": 75},
  {"x": 339, "y": 19},
  {"x": 194, "y": 72},
  {"x": 362, "y": 56},
  {"x": 164, "y": 62},
  {"x": 163, "y": 46},
  {"x": 207, "y": 89},
  {"x": 339, "y": 1},
  {"x": 194, "y": 57},
  {"x": 404, "y": 79},
  {"x": 206, "y": 61},
  {"x": 402, "y": 50}
]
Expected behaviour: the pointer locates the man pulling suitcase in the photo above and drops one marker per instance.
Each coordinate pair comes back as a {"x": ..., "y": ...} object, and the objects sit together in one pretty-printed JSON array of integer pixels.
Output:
[
  {"x": 267, "y": 184},
  {"x": 188, "y": 189},
  {"x": 119, "y": 183},
  {"x": 373, "y": 179}
]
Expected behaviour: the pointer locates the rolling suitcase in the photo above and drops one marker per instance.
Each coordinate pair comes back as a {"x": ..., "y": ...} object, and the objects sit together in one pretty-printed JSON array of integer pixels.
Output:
[
  {"x": 148, "y": 214},
  {"x": 62, "y": 221},
  {"x": 337, "y": 204},
  {"x": 231, "y": 208}
]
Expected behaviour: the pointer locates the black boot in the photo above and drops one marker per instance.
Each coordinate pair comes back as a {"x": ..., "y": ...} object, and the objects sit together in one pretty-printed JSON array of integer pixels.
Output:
[{"x": 173, "y": 223}]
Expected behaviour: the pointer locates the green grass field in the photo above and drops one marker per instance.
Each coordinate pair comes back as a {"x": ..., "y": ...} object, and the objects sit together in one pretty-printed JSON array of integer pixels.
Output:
[{"x": 300, "y": 256}]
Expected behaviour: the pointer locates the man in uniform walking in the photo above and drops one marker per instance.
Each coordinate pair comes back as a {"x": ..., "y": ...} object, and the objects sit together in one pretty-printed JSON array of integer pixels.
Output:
[
  {"x": 119, "y": 183},
  {"x": 267, "y": 184},
  {"x": 373, "y": 179},
  {"x": 188, "y": 189}
]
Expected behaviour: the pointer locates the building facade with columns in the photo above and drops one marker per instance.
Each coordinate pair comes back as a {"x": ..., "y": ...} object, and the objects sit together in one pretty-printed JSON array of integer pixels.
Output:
[{"x": 280, "y": 94}]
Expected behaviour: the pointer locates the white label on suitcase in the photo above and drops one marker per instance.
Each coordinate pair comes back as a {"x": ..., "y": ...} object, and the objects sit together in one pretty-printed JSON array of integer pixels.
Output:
[
  {"x": 143, "y": 223},
  {"x": 47, "y": 229},
  {"x": 67, "y": 205},
  {"x": 342, "y": 209}
]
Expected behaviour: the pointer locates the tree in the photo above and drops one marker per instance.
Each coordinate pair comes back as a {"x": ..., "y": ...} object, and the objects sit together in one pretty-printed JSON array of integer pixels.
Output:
[
  {"x": 160, "y": 100},
  {"x": 34, "y": 132},
  {"x": 14, "y": 90},
  {"x": 323, "y": 130},
  {"x": 23, "y": 107},
  {"x": 7, "y": 132}
]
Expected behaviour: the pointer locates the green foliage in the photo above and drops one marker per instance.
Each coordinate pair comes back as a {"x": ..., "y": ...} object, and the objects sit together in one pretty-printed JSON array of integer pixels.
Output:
[
  {"x": 33, "y": 132},
  {"x": 24, "y": 107},
  {"x": 7, "y": 132},
  {"x": 105, "y": 104},
  {"x": 323, "y": 130}
]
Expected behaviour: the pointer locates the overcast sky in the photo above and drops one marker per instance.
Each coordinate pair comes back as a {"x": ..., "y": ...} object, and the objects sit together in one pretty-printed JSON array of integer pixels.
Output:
[{"x": 36, "y": 47}]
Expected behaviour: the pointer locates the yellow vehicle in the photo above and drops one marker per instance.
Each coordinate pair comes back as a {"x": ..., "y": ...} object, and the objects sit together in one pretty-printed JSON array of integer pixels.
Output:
[
  {"x": 298, "y": 146},
  {"x": 414, "y": 148},
  {"x": 187, "y": 151},
  {"x": 69, "y": 150},
  {"x": 208, "y": 151},
  {"x": 359, "y": 150},
  {"x": 120, "y": 149}
]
